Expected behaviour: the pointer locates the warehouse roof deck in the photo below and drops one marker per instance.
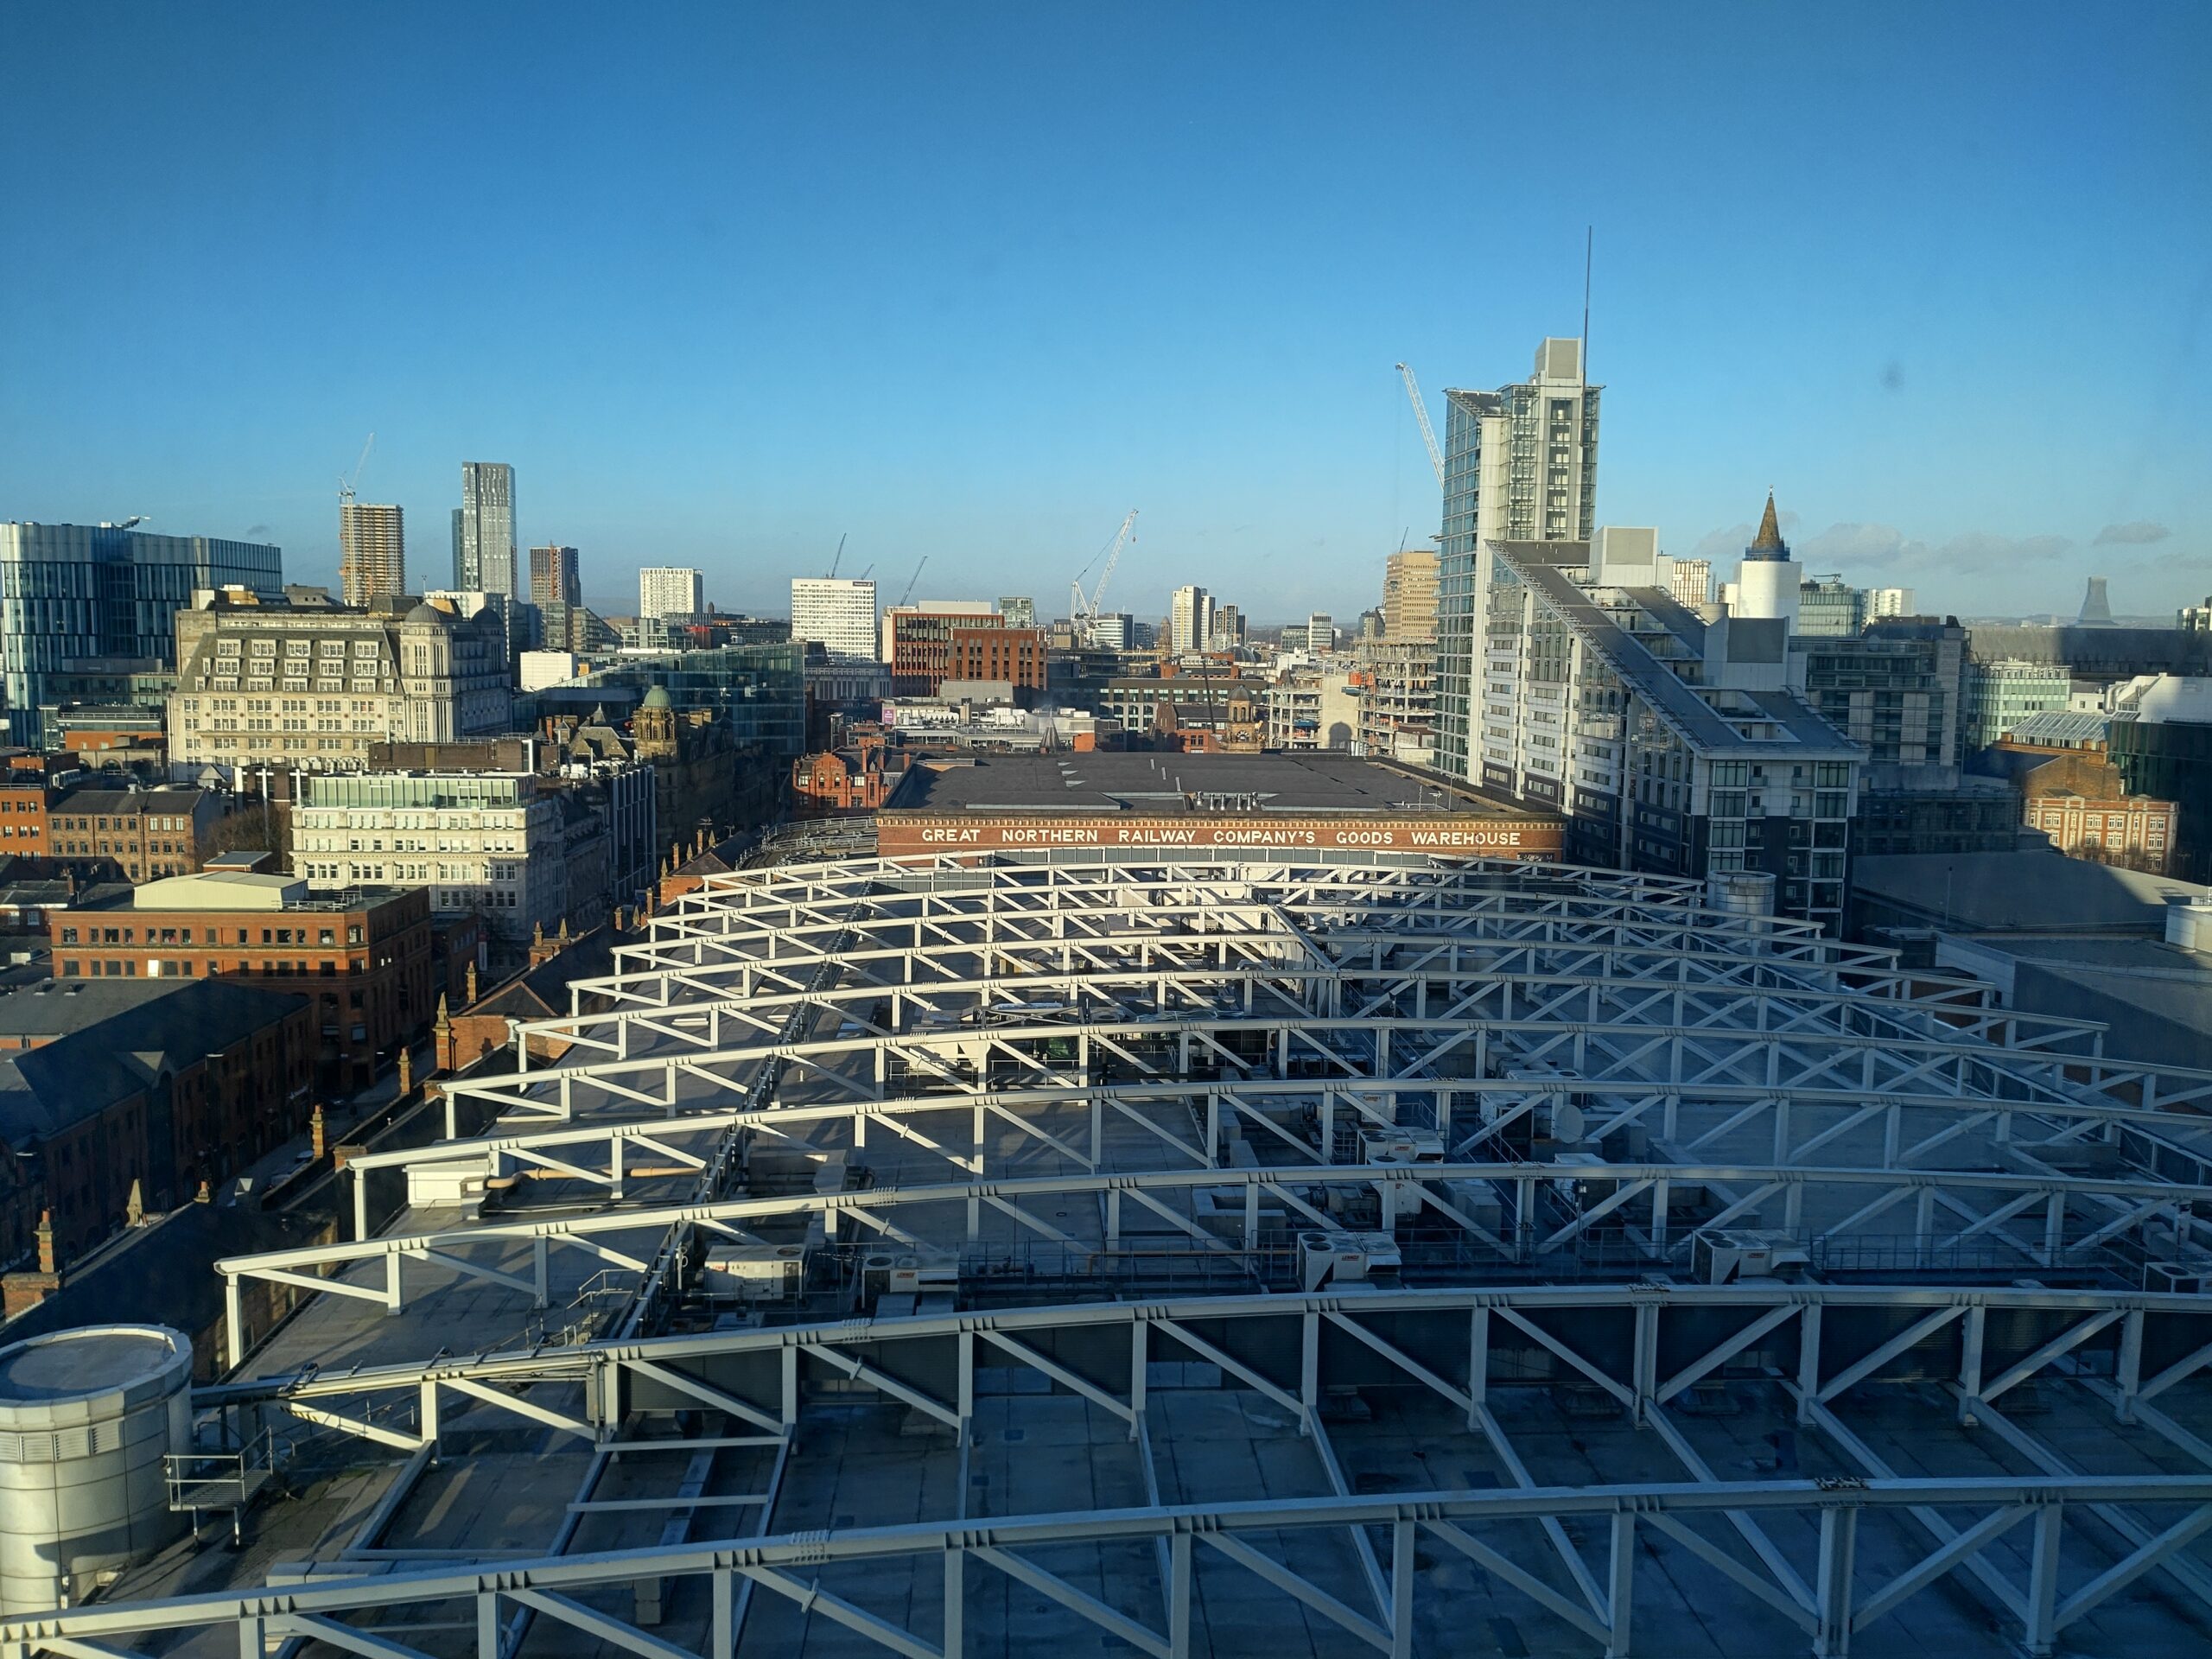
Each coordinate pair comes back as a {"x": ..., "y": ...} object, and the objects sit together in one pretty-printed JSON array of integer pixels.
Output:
[
  {"x": 1153, "y": 784},
  {"x": 1109, "y": 1097}
]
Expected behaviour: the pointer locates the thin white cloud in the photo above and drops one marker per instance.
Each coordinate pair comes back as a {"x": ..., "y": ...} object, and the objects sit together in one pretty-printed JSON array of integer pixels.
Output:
[
  {"x": 1853, "y": 547},
  {"x": 2138, "y": 532}
]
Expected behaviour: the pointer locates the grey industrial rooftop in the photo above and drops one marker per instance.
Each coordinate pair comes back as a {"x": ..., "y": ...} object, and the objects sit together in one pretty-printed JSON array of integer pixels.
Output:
[
  {"x": 1251, "y": 1255},
  {"x": 2037, "y": 891},
  {"x": 1136, "y": 782}
]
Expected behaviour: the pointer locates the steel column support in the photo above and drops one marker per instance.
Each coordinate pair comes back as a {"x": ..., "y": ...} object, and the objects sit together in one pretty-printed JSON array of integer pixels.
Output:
[
  {"x": 2043, "y": 1581},
  {"x": 956, "y": 1602},
  {"x": 1832, "y": 1592},
  {"x": 1620, "y": 1585}
]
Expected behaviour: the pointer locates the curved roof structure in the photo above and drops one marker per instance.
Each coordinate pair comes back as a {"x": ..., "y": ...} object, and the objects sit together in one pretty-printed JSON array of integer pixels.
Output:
[{"x": 1253, "y": 1256}]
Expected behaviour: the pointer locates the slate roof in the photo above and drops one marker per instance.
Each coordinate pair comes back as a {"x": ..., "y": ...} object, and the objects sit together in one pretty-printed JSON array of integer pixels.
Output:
[
  {"x": 112, "y": 1046},
  {"x": 544, "y": 990},
  {"x": 161, "y": 1274}
]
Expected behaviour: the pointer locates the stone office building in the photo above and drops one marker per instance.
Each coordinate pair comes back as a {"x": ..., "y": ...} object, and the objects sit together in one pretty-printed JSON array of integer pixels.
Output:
[
  {"x": 490, "y": 845},
  {"x": 315, "y": 688}
]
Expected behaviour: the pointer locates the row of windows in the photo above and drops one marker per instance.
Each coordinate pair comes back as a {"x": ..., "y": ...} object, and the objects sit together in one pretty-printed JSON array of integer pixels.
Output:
[
  {"x": 155, "y": 821},
  {"x": 210, "y": 935},
  {"x": 298, "y": 647},
  {"x": 186, "y": 967}
]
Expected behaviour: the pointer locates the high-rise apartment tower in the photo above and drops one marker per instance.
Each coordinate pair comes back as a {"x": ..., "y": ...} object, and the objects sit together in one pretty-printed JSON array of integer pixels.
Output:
[
  {"x": 555, "y": 578},
  {"x": 1521, "y": 465},
  {"x": 371, "y": 552},
  {"x": 484, "y": 528},
  {"x": 1190, "y": 620},
  {"x": 1691, "y": 581},
  {"x": 1409, "y": 595}
]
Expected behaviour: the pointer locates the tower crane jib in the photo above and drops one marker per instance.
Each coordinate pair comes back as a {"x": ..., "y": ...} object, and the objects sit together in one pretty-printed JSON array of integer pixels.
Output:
[
  {"x": 1421, "y": 414},
  {"x": 1084, "y": 611}
]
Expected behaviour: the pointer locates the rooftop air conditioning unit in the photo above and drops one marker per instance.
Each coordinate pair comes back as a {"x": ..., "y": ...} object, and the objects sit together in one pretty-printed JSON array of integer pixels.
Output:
[
  {"x": 754, "y": 1272},
  {"x": 1341, "y": 1258},
  {"x": 1723, "y": 1257},
  {"x": 447, "y": 1185},
  {"x": 917, "y": 1273},
  {"x": 1397, "y": 1145},
  {"x": 2178, "y": 1278}
]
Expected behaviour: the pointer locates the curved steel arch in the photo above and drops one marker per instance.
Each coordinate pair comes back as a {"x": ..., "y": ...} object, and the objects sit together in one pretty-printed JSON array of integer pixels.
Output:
[{"x": 1701, "y": 1030}]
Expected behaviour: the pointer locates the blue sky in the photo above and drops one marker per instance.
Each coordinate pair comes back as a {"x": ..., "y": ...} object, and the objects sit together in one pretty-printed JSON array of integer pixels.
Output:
[{"x": 971, "y": 281}]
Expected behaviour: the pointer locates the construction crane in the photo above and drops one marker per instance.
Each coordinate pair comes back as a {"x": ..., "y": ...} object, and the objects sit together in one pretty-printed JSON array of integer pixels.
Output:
[
  {"x": 346, "y": 483},
  {"x": 840, "y": 559},
  {"x": 911, "y": 579},
  {"x": 1421, "y": 414},
  {"x": 1082, "y": 612}
]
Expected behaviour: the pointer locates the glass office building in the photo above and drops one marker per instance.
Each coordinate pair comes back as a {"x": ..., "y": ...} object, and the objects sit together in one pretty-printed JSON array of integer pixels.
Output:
[
  {"x": 760, "y": 689},
  {"x": 73, "y": 592}
]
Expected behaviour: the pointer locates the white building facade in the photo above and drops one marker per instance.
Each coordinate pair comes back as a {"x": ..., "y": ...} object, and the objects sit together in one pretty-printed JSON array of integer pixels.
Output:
[
  {"x": 1190, "y": 620},
  {"x": 1888, "y": 601},
  {"x": 837, "y": 612},
  {"x": 487, "y": 842},
  {"x": 665, "y": 590}
]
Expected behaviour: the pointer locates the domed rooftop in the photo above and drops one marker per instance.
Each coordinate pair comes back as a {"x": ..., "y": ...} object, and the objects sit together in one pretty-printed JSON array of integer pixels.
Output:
[
  {"x": 657, "y": 698},
  {"x": 429, "y": 613}
]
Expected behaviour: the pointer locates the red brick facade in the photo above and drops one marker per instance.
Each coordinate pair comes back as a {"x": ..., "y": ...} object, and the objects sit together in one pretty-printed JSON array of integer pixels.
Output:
[{"x": 365, "y": 968}]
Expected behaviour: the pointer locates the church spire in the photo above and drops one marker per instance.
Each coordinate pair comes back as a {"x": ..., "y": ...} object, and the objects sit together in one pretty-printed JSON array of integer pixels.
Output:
[
  {"x": 1770, "y": 532},
  {"x": 1768, "y": 544}
]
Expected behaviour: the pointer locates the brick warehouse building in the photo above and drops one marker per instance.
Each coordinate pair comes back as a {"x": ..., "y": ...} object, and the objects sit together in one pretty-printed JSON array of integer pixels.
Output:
[
  {"x": 1312, "y": 802},
  {"x": 29, "y": 786},
  {"x": 362, "y": 959},
  {"x": 110, "y": 1090},
  {"x": 149, "y": 833}
]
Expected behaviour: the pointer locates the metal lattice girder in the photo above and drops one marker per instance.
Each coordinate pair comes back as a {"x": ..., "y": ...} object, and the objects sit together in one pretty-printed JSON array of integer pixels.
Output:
[
  {"x": 1823, "y": 1116},
  {"x": 1533, "y": 1005},
  {"x": 1317, "y": 895},
  {"x": 442, "y": 1248},
  {"x": 1684, "y": 1058},
  {"x": 555, "y": 1586},
  {"x": 1461, "y": 979},
  {"x": 1720, "y": 1324}
]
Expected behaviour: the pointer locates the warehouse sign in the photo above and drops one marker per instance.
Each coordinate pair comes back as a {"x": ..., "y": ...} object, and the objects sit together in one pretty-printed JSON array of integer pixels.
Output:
[{"x": 1452, "y": 835}]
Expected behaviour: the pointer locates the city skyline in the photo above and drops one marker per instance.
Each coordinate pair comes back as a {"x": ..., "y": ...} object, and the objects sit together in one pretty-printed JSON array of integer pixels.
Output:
[{"x": 1966, "y": 257}]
